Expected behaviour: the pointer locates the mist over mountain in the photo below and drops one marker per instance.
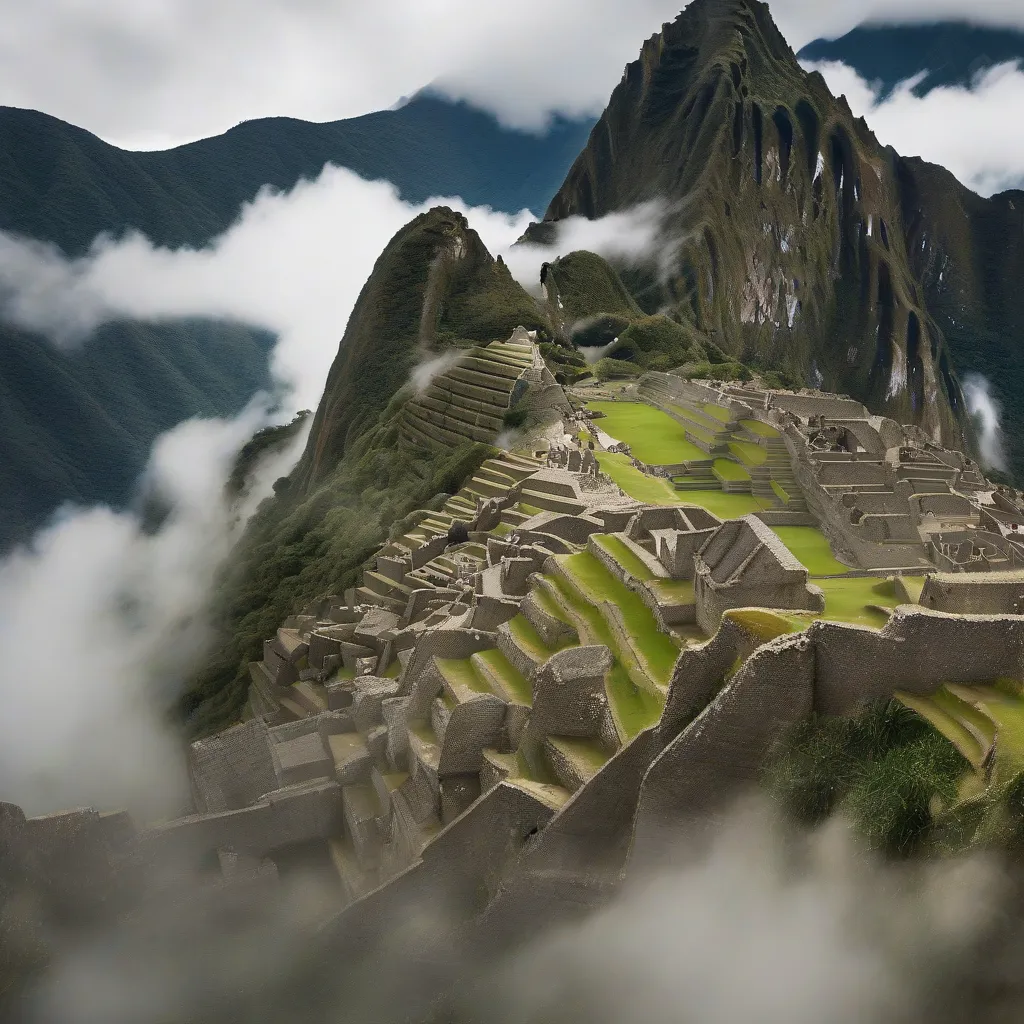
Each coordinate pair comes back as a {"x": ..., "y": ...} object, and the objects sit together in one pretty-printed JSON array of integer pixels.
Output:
[
  {"x": 634, "y": 630},
  {"x": 947, "y": 53},
  {"x": 79, "y": 423}
]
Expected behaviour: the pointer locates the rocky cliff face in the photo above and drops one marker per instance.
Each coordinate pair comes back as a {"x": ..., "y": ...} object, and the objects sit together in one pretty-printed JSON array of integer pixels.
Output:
[
  {"x": 786, "y": 239},
  {"x": 433, "y": 288}
]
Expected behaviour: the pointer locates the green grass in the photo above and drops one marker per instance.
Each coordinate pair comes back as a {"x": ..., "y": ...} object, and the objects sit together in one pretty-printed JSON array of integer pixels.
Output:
[
  {"x": 461, "y": 673},
  {"x": 780, "y": 492},
  {"x": 761, "y": 429},
  {"x": 625, "y": 557},
  {"x": 851, "y": 600},
  {"x": 600, "y": 586},
  {"x": 529, "y": 639},
  {"x": 729, "y": 470},
  {"x": 810, "y": 546},
  {"x": 748, "y": 453},
  {"x": 674, "y": 591},
  {"x": 725, "y": 506},
  {"x": 634, "y": 708},
  {"x": 653, "y": 436},
  {"x": 695, "y": 425},
  {"x": 515, "y": 683},
  {"x": 637, "y": 485},
  {"x": 718, "y": 412}
]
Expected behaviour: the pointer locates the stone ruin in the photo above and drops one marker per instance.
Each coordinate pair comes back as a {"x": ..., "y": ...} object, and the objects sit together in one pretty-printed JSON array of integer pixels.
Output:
[{"x": 482, "y": 720}]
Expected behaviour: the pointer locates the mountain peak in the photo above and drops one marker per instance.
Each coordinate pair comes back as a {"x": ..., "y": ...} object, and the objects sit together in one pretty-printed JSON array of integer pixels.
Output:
[{"x": 783, "y": 235}]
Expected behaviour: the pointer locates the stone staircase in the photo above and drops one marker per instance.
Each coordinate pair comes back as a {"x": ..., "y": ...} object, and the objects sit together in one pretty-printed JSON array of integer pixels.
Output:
[{"x": 780, "y": 466}]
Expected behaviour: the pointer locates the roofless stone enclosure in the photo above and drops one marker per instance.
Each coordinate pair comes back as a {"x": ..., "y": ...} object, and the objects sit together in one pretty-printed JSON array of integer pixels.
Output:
[{"x": 514, "y": 721}]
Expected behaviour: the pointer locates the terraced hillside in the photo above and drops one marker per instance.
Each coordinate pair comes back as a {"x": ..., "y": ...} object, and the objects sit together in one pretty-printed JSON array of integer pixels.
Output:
[
  {"x": 534, "y": 686},
  {"x": 471, "y": 400},
  {"x": 548, "y": 658}
]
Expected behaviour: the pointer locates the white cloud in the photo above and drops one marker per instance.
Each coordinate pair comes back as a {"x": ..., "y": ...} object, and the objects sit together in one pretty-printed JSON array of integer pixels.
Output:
[
  {"x": 626, "y": 235},
  {"x": 145, "y": 72},
  {"x": 987, "y": 414},
  {"x": 968, "y": 131},
  {"x": 103, "y": 620},
  {"x": 100, "y": 620},
  {"x": 760, "y": 927},
  {"x": 293, "y": 263}
]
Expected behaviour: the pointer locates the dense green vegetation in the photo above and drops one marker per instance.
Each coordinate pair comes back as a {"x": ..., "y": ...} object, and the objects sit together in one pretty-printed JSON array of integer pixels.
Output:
[
  {"x": 302, "y": 546},
  {"x": 420, "y": 299},
  {"x": 64, "y": 185},
  {"x": 882, "y": 770},
  {"x": 263, "y": 443}
]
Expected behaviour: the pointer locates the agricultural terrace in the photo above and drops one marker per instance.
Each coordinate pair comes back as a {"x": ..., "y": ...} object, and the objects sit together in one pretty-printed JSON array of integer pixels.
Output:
[{"x": 653, "y": 436}]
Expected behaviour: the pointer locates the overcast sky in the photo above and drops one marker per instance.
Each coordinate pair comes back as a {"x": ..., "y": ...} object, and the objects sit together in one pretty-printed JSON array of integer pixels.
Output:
[{"x": 150, "y": 73}]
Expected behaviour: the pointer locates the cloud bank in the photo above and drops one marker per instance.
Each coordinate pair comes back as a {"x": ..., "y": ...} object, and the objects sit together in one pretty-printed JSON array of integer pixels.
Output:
[
  {"x": 968, "y": 131},
  {"x": 763, "y": 927},
  {"x": 293, "y": 263},
  {"x": 987, "y": 415},
  {"x": 151, "y": 74},
  {"x": 100, "y": 620}
]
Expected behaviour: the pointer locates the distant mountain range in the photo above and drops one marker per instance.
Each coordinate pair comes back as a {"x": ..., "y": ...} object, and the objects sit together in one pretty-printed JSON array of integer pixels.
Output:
[
  {"x": 946, "y": 53},
  {"x": 78, "y": 426}
]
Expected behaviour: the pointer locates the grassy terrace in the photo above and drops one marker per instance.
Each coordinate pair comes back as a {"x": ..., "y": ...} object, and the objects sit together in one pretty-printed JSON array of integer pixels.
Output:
[
  {"x": 859, "y": 600},
  {"x": 633, "y": 707},
  {"x": 653, "y": 435},
  {"x": 600, "y": 587},
  {"x": 462, "y": 676},
  {"x": 761, "y": 429},
  {"x": 512, "y": 680},
  {"x": 748, "y": 453},
  {"x": 625, "y": 557},
  {"x": 809, "y": 545},
  {"x": 717, "y": 412},
  {"x": 529, "y": 639},
  {"x": 973, "y": 718},
  {"x": 636, "y": 484},
  {"x": 729, "y": 470},
  {"x": 678, "y": 591}
]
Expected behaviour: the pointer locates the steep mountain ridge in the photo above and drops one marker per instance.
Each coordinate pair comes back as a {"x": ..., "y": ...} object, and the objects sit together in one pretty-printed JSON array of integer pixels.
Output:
[
  {"x": 434, "y": 288},
  {"x": 784, "y": 216}
]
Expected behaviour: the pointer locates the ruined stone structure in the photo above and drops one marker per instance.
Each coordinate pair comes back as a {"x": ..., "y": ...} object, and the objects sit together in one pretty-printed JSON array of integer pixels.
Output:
[{"x": 518, "y": 718}]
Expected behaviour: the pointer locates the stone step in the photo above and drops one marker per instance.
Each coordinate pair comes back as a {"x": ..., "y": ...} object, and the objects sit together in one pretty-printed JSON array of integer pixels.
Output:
[
  {"x": 551, "y": 502},
  {"x": 573, "y": 762},
  {"x": 502, "y": 678}
]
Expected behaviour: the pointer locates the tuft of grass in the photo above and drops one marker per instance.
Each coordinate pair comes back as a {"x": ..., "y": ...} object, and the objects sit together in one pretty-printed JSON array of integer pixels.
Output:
[{"x": 883, "y": 769}]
